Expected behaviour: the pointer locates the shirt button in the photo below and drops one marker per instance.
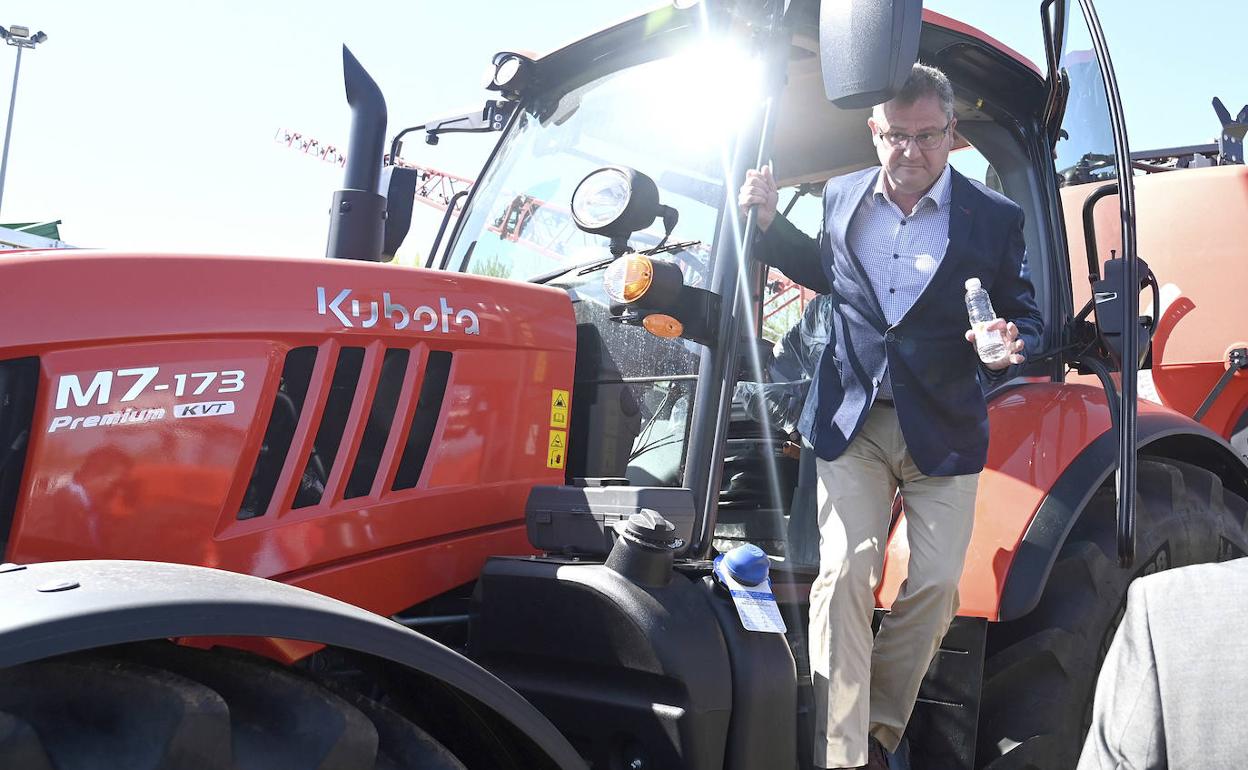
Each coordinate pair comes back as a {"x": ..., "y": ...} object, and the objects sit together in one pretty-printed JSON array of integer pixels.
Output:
[
  {"x": 892, "y": 291},
  {"x": 896, "y": 256},
  {"x": 903, "y": 223}
]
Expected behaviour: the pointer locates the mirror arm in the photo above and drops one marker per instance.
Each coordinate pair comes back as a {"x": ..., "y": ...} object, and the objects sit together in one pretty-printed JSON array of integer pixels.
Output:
[{"x": 492, "y": 117}]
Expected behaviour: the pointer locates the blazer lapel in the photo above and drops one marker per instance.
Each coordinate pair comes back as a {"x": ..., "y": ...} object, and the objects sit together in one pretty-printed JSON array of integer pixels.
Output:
[
  {"x": 961, "y": 215},
  {"x": 843, "y": 214}
]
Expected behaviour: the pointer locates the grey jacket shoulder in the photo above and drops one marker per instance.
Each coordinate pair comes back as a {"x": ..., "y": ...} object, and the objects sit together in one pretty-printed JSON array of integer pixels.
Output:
[
  {"x": 1185, "y": 590},
  {"x": 1174, "y": 681}
]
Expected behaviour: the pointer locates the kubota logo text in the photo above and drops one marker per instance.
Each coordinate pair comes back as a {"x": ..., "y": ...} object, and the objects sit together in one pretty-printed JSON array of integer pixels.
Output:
[{"x": 424, "y": 317}]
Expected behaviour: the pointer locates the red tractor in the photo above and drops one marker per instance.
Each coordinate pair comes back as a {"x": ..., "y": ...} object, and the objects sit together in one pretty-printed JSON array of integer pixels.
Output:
[{"x": 337, "y": 513}]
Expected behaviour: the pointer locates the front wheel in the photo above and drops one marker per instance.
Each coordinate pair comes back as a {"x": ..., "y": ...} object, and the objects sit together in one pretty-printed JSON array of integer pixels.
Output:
[
  {"x": 158, "y": 705},
  {"x": 1040, "y": 671}
]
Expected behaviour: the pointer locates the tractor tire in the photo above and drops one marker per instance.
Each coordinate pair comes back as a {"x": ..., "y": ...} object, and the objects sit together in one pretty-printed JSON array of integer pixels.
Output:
[
  {"x": 1040, "y": 670},
  {"x": 176, "y": 708}
]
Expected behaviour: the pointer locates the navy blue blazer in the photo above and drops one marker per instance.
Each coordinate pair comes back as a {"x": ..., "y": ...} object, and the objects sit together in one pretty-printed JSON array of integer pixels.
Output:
[{"x": 935, "y": 372}]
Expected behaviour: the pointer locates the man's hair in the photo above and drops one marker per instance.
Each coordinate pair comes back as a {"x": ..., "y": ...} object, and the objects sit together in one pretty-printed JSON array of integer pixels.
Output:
[{"x": 927, "y": 81}]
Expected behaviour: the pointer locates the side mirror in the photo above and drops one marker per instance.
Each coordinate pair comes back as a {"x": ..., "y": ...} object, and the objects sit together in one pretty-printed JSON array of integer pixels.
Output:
[
  {"x": 867, "y": 48},
  {"x": 400, "y": 186}
]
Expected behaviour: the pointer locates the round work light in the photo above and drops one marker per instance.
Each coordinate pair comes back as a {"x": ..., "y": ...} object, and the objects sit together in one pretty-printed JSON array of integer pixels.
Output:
[{"x": 615, "y": 201}]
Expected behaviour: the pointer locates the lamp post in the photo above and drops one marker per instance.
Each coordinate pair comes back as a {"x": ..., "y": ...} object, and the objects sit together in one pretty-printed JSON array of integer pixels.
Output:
[{"x": 20, "y": 38}]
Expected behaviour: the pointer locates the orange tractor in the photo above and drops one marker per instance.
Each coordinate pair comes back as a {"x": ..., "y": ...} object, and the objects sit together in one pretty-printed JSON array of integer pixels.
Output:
[{"x": 337, "y": 513}]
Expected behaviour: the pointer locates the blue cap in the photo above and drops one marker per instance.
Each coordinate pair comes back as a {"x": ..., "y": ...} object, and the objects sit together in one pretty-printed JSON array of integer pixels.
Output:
[{"x": 747, "y": 564}]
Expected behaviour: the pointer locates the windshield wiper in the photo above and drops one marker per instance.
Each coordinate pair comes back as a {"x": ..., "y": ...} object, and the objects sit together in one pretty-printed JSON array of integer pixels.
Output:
[
  {"x": 600, "y": 263},
  {"x": 584, "y": 267}
]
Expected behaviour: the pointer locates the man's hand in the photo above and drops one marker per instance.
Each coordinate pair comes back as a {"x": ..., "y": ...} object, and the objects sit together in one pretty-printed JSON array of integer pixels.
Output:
[
  {"x": 760, "y": 190},
  {"x": 1009, "y": 333}
]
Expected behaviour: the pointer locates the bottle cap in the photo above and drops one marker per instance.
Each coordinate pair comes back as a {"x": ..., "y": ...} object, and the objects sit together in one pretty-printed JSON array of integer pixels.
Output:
[
  {"x": 747, "y": 564},
  {"x": 972, "y": 284},
  {"x": 650, "y": 528}
]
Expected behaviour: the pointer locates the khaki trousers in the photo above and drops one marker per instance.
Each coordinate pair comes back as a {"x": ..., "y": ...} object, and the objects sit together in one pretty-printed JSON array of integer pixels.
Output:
[{"x": 863, "y": 686}]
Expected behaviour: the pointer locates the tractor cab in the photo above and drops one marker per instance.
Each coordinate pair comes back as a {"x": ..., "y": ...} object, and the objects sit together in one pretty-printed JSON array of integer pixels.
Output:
[{"x": 647, "y": 128}]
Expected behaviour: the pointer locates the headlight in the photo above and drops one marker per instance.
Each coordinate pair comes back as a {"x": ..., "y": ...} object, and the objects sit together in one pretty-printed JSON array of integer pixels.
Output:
[
  {"x": 600, "y": 198},
  {"x": 512, "y": 74},
  {"x": 616, "y": 202}
]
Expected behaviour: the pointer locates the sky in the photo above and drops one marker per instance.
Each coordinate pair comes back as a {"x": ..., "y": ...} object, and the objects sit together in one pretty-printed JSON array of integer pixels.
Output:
[{"x": 150, "y": 125}]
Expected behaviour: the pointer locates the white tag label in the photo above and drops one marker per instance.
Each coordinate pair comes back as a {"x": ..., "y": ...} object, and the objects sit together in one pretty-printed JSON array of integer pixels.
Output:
[
  {"x": 756, "y": 605},
  {"x": 758, "y": 611}
]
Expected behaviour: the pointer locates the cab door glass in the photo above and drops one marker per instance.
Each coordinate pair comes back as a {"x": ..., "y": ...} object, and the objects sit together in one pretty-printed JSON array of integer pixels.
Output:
[
  {"x": 1085, "y": 144},
  {"x": 971, "y": 163}
]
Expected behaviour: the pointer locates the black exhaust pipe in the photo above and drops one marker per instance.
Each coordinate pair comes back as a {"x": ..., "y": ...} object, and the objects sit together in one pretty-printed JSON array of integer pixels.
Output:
[{"x": 357, "y": 218}]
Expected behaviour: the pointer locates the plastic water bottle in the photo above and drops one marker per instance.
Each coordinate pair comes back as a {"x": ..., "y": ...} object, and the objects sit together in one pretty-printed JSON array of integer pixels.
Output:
[{"x": 990, "y": 344}]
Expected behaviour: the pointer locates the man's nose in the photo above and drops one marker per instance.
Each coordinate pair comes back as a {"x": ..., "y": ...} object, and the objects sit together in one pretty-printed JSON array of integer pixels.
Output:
[{"x": 911, "y": 149}]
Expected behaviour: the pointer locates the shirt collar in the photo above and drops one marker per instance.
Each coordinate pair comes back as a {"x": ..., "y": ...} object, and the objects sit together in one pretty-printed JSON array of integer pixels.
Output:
[{"x": 938, "y": 196}]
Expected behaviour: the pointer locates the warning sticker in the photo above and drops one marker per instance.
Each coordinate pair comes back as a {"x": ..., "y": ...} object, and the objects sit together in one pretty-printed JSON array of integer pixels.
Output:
[
  {"x": 559, "y": 408},
  {"x": 556, "y": 451}
]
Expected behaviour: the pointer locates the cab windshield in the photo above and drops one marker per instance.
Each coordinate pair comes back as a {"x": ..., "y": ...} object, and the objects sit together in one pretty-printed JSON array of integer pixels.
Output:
[{"x": 673, "y": 119}]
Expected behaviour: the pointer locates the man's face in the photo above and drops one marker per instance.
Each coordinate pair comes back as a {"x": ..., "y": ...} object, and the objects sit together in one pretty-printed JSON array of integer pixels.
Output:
[{"x": 910, "y": 169}]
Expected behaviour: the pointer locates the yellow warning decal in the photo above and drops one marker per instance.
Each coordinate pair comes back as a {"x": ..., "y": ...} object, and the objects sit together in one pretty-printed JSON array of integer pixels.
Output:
[
  {"x": 557, "y": 449},
  {"x": 559, "y": 408}
]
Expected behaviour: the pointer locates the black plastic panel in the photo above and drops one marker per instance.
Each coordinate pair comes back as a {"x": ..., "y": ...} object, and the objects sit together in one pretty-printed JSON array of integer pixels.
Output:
[
  {"x": 333, "y": 423},
  {"x": 19, "y": 382},
  {"x": 287, "y": 407},
  {"x": 945, "y": 720},
  {"x": 580, "y": 520},
  {"x": 380, "y": 419},
  {"x": 424, "y": 420}
]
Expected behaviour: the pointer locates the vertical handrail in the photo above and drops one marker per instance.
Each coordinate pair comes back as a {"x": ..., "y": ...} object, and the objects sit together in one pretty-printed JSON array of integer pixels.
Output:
[{"x": 1126, "y": 474}]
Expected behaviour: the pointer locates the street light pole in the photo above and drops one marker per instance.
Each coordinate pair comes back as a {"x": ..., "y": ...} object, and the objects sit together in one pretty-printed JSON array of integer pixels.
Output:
[
  {"x": 8, "y": 129},
  {"x": 20, "y": 38}
]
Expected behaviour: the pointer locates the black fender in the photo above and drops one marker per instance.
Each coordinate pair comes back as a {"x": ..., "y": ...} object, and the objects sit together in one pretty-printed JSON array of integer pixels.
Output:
[
  {"x": 54, "y": 608},
  {"x": 1161, "y": 434}
]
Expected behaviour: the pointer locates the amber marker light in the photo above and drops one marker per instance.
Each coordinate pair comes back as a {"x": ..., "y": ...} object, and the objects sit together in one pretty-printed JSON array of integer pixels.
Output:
[
  {"x": 663, "y": 326},
  {"x": 629, "y": 278}
]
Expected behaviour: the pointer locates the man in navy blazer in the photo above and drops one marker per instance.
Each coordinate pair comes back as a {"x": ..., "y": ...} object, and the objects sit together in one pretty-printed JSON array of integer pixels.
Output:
[{"x": 897, "y": 401}]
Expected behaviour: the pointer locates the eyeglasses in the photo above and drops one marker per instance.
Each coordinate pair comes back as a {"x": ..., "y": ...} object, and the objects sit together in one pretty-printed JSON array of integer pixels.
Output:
[{"x": 928, "y": 140}]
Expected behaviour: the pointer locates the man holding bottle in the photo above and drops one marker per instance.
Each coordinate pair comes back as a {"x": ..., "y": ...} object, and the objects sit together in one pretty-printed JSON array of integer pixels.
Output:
[{"x": 896, "y": 402}]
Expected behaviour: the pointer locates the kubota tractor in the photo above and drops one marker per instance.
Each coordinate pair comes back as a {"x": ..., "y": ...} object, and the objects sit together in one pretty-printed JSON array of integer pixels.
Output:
[{"x": 328, "y": 513}]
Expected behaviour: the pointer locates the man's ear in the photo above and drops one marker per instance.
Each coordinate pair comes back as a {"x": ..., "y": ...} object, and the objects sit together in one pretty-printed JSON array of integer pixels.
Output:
[{"x": 873, "y": 127}]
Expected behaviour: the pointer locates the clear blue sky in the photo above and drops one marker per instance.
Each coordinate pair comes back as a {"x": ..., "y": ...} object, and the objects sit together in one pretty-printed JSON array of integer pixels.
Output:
[{"x": 146, "y": 125}]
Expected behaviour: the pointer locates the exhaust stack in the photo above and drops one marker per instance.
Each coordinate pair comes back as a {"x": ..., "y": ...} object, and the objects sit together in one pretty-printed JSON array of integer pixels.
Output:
[{"x": 357, "y": 216}]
